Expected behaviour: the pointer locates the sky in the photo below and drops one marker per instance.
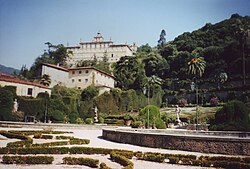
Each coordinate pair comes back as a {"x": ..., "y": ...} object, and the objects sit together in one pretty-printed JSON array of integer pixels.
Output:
[{"x": 26, "y": 25}]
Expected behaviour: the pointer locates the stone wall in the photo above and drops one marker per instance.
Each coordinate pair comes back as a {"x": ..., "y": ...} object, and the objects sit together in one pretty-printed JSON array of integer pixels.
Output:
[{"x": 203, "y": 144}]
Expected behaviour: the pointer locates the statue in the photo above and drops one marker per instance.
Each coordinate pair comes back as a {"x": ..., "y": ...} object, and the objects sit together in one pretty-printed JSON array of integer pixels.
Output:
[
  {"x": 15, "y": 106},
  {"x": 96, "y": 115},
  {"x": 178, "y": 112}
]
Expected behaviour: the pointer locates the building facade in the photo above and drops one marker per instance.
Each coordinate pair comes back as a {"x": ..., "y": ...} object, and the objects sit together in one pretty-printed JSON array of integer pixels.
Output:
[
  {"x": 98, "y": 49},
  {"x": 23, "y": 88},
  {"x": 79, "y": 78}
]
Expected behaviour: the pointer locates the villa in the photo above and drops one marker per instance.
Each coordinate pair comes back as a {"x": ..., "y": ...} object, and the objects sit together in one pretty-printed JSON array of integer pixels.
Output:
[{"x": 97, "y": 49}]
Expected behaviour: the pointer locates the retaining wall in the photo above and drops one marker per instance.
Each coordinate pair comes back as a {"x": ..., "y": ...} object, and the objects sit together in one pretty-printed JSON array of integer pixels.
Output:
[{"x": 196, "y": 143}]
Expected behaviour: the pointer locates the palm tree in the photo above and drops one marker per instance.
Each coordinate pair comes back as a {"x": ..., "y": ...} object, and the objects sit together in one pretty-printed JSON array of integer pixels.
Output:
[
  {"x": 196, "y": 66},
  {"x": 45, "y": 80}
]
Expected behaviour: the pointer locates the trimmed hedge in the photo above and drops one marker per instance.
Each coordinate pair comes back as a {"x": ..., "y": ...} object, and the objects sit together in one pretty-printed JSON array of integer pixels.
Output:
[
  {"x": 27, "y": 159},
  {"x": 41, "y": 136},
  {"x": 156, "y": 157},
  {"x": 64, "y": 137},
  {"x": 33, "y": 132},
  {"x": 125, "y": 153},
  {"x": 81, "y": 161},
  {"x": 121, "y": 160},
  {"x": 10, "y": 134},
  {"x": 89, "y": 150},
  {"x": 104, "y": 166}
]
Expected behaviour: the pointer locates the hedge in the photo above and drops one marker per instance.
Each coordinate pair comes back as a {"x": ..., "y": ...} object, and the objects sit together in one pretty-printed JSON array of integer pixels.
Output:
[
  {"x": 81, "y": 161},
  {"x": 27, "y": 159},
  {"x": 156, "y": 157},
  {"x": 125, "y": 153},
  {"x": 41, "y": 136},
  {"x": 121, "y": 160},
  {"x": 104, "y": 166},
  {"x": 33, "y": 132},
  {"x": 64, "y": 137},
  {"x": 10, "y": 134}
]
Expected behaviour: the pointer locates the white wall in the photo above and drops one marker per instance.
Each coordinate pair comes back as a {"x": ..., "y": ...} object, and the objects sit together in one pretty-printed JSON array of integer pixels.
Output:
[
  {"x": 82, "y": 78},
  {"x": 57, "y": 76},
  {"x": 22, "y": 89}
]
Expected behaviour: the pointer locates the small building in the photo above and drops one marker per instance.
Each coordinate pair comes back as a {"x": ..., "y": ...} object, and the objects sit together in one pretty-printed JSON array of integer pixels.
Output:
[
  {"x": 97, "y": 50},
  {"x": 23, "y": 88},
  {"x": 79, "y": 78},
  {"x": 58, "y": 75}
]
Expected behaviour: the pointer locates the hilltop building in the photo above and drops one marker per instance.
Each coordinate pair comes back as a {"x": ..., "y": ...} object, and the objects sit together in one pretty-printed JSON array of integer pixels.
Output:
[
  {"x": 23, "y": 88},
  {"x": 79, "y": 78},
  {"x": 98, "y": 49}
]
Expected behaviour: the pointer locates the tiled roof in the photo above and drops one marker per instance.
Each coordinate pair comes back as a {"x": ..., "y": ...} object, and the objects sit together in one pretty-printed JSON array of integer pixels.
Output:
[
  {"x": 56, "y": 67},
  {"x": 13, "y": 79}
]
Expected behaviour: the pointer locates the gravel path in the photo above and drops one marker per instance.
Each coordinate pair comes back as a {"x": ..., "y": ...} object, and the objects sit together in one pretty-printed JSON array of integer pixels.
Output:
[{"x": 97, "y": 141}]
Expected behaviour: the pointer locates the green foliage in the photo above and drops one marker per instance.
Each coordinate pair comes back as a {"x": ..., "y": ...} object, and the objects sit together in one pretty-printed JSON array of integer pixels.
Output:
[
  {"x": 137, "y": 124},
  {"x": 104, "y": 166},
  {"x": 28, "y": 159},
  {"x": 89, "y": 93},
  {"x": 32, "y": 107},
  {"x": 234, "y": 115},
  {"x": 89, "y": 121},
  {"x": 6, "y": 100},
  {"x": 121, "y": 159},
  {"x": 79, "y": 120},
  {"x": 129, "y": 73},
  {"x": 56, "y": 116},
  {"x": 154, "y": 116},
  {"x": 93, "y": 163}
]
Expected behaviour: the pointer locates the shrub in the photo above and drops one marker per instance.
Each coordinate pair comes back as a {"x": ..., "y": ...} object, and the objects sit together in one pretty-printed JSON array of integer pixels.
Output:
[
  {"x": 182, "y": 102},
  {"x": 89, "y": 121},
  {"x": 160, "y": 124},
  {"x": 57, "y": 116},
  {"x": 214, "y": 101},
  {"x": 154, "y": 115},
  {"x": 81, "y": 161},
  {"x": 233, "y": 116},
  {"x": 101, "y": 120},
  {"x": 28, "y": 159},
  {"x": 137, "y": 124},
  {"x": 79, "y": 120}
]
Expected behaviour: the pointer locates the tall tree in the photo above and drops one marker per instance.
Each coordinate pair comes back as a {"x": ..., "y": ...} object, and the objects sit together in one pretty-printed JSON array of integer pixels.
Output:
[
  {"x": 126, "y": 71},
  {"x": 162, "y": 39}
]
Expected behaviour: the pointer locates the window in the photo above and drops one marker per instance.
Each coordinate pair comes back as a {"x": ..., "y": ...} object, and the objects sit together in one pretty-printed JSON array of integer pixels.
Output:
[
  {"x": 86, "y": 71},
  {"x": 86, "y": 80},
  {"x": 79, "y": 80},
  {"x": 80, "y": 72},
  {"x": 73, "y": 80},
  {"x": 79, "y": 87},
  {"x": 30, "y": 91},
  {"x": 73, "y": 72},
  {"x": 112, "y": 55}
]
